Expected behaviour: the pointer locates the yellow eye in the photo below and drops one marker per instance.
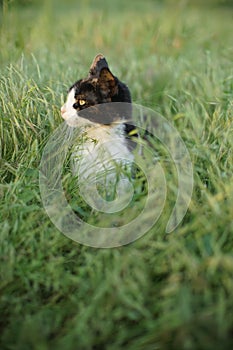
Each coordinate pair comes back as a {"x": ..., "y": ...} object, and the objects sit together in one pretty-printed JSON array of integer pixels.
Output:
[{"x": 81, "y": 102}]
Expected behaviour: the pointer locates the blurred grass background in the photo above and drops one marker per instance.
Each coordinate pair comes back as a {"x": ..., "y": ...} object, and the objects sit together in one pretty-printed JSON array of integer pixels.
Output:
[{"x": 163, "y": 291}]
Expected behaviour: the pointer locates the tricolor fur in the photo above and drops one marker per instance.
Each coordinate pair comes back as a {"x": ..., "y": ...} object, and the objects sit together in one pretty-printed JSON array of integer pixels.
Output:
[{"x": 105, "y": 139}]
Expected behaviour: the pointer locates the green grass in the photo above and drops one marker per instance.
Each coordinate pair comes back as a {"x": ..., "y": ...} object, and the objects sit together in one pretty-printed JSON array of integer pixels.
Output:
[{"x": 171, "y": 291}]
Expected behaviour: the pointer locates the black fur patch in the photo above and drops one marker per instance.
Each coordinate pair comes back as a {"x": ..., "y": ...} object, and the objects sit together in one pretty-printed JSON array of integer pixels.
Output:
[{"x": 101, "y": 87}]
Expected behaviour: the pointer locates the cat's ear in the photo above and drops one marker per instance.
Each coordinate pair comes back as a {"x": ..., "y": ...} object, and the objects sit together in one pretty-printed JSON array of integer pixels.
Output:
[
  {"x": 107, "y": 82},
  {"x": 98, "y": 64}
]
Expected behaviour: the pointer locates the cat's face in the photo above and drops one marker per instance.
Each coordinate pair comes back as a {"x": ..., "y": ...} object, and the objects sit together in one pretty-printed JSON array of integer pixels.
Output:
[{"x": 101, "y": 86}]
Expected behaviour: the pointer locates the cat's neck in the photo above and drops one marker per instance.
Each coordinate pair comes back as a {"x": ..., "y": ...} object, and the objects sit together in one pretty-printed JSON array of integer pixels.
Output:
[{"x": 103, "y": 133}]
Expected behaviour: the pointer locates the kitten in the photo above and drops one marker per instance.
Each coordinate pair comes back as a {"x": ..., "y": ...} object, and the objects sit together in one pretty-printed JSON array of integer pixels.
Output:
[{"x": 103, "y": 125}]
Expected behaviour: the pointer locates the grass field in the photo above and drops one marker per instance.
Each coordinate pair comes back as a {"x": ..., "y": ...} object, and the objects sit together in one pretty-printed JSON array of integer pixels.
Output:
[{"x": 163, "y": 291}]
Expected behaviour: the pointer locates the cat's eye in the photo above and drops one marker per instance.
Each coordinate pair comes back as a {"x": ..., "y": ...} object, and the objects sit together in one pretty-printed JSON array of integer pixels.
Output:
[{"x": 81, "y": 102}]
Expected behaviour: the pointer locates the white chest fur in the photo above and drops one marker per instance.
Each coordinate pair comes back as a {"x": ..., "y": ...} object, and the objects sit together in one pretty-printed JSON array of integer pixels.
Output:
[{"x": 102, "y": 150}]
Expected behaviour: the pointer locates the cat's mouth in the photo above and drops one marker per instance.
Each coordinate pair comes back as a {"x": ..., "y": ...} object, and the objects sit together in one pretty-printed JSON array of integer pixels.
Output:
[
  {"x": 70, "y": 119},
  {"x": 67, "y": 115},
  {"x": 73, "y": 119}
]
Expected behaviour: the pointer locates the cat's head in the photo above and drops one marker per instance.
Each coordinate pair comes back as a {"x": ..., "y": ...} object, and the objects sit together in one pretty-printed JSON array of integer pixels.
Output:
[{"x": 101, "y": 86}]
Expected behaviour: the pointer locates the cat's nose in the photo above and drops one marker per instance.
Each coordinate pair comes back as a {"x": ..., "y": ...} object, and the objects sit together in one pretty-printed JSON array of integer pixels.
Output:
[{"x": 63, "y": 110}]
